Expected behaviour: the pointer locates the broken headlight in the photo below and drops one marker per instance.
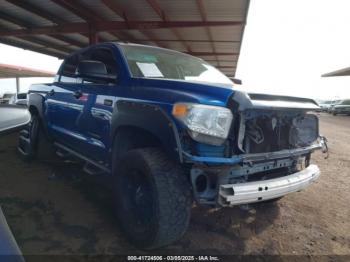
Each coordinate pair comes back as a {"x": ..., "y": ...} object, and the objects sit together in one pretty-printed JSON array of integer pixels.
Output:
[
  {"x": 206, "y": 124},
  {"x": 304, "y": 131}
]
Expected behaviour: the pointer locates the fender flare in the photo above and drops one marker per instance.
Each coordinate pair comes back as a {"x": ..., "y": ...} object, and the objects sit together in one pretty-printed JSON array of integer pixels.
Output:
[
  {"x": 151, "y": 118},
  {"x": 37, "y": 100}
]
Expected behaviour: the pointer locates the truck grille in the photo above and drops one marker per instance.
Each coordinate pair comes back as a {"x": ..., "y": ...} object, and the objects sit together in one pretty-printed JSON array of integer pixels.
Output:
[{"x": 270, "y": 131}]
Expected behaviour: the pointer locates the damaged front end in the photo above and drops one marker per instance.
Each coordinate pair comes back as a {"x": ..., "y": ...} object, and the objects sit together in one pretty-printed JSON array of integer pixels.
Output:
[{"x": 266, "y": 155}]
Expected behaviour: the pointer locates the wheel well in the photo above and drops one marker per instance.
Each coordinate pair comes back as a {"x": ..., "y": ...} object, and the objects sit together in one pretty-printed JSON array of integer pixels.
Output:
[
  {"x": 127, "y": 138},
  {"x": 33, "y": 110}
]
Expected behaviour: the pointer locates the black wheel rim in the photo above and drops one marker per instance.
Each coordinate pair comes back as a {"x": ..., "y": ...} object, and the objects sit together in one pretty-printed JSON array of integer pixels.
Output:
[{"x": 138, "y": 201}]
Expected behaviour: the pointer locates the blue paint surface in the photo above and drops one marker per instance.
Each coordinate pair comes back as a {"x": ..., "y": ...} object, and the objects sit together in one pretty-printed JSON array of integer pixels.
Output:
[{"x": 85, "y": 124}]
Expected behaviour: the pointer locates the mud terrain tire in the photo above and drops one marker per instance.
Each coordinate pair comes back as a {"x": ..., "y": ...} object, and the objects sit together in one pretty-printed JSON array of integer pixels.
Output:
[
  {"x": 33, "y": 142},
  {"x": 152, "y": 197}
]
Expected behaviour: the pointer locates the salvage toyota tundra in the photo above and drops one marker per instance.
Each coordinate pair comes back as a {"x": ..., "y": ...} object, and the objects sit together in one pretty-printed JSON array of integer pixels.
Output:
[{"x": 168, "y": 129}]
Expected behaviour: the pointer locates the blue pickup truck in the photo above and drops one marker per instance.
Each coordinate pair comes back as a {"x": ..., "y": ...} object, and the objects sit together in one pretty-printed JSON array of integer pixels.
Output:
[{"x": 169, "y": 129}]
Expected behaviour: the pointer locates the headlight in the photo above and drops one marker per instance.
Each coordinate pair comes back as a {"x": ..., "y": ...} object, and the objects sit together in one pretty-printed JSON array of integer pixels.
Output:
[{"x": 206, "y": 124}]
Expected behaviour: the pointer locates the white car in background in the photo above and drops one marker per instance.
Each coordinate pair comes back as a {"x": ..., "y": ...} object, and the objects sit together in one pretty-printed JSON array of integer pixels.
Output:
[
  {"x": 18, "y": 99},
  {"x": 324, "y": 105},
  {"x": 6, "y": 98}
]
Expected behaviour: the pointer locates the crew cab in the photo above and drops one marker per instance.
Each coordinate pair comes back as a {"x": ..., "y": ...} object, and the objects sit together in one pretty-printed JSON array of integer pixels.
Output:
[{"x": 168, "y": 129}]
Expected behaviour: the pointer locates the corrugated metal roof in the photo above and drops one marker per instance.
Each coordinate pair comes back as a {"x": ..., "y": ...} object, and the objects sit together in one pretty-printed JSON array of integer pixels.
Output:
[
  {"x": 11, "y": 71},
  {"x": 15, "y": 11},
  {"x": 57, "y": 10},
  {"x": 137, "y": 10},
  {"x": 68, "y": 25}
]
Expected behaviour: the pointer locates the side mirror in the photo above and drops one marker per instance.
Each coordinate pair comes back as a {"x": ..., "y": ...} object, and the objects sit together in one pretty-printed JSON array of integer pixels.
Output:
[{"x": 91, "y": 70}]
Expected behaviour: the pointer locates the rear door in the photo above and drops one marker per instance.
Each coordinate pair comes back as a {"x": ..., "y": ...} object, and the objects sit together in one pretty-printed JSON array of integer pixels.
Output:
[
  {"x": 101, "y": 98},
  {"x": 65, "y": 107}
]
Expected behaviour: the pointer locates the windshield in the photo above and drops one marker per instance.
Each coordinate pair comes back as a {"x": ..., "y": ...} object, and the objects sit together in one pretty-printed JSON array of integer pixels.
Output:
[
  {"x": 346, "y": 102},
  {"x": 148, "y": 62}
]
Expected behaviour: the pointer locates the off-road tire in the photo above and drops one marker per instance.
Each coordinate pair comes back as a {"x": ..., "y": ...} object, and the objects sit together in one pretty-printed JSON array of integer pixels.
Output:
[
  {"x": 169, "y": 190},
  {"x": 33, "y": 142}
]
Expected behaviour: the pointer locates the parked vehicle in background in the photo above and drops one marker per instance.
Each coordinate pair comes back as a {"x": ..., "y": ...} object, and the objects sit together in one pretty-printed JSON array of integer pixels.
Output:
[
  {"x": 324, "y": 105},
  {"x": 168, "y": 128},
  {"x": 6, "y": 98},
  {"x": 12, "y": 119},
  {"x": 333, "y": 103},
  {"x": 343, "y": 107},
  {"x": 19, "y": 99}
]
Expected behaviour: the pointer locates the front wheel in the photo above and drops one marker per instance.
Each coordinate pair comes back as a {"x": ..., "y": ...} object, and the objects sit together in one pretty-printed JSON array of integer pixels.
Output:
[{"x": 153, "y": 198}]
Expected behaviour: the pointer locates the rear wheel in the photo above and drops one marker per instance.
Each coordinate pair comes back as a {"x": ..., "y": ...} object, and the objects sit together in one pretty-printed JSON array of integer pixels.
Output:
[
  {"x": 32, "y": 141},
  {"x": 28, "y": 139},
  {"x": 152, "y": 197}
]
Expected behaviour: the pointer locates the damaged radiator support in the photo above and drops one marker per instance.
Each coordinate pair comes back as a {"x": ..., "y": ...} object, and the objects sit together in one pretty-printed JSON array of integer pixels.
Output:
[
  {"x": 267, "y": 154},
  {"x": 270, "y": 131}
]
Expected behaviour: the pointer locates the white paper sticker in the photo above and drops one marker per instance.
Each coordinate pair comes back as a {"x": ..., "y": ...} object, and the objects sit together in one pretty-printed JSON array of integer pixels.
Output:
[{"x": 149, "y": 69}]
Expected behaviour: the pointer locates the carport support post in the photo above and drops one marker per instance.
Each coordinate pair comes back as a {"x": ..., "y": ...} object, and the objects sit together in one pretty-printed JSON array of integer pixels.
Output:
[
  {"x": 17, "y": 84},
  {"x": 93, "y": 37}
]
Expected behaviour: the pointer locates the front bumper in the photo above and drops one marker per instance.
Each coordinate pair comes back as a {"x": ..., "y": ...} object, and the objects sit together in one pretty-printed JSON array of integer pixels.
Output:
[{"x": 250, "y": 192}]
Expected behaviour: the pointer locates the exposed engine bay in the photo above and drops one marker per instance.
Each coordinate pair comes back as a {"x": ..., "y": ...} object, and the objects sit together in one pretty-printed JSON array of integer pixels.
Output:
[
  {"x": 269, "y": 145},
  {"x": 270, "y": 131}
]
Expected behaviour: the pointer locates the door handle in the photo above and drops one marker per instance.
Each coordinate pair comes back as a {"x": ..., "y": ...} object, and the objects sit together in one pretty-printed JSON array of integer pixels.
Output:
[
  {"x": 51, "y": 92},
  {"x": 77, "y": 94}
]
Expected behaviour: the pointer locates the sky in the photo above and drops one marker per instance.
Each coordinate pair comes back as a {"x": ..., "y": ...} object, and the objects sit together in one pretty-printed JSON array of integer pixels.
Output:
[{"x": 287, "y": 45}]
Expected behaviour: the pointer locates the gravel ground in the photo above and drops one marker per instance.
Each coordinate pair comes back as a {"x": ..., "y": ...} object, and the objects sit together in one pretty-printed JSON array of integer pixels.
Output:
[{"x": 58, "y": 209}]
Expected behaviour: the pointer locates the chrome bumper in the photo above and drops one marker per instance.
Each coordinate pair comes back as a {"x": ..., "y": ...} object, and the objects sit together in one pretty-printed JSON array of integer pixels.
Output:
[{"x": 250, "y": 192}]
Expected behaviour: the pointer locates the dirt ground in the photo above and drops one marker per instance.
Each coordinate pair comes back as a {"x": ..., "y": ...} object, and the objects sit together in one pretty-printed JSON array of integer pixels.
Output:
[{"x": 58, "y": 209}]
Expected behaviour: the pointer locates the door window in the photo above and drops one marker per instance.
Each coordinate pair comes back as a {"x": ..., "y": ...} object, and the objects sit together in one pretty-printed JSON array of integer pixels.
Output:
[
  {"x": 68, "y": 70},
  {"x": 104, "y": 55}
]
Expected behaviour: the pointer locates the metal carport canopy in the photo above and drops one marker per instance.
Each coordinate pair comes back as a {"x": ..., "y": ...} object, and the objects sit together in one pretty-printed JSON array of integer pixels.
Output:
[
  {"x": 210, "y": 29},
  {"x": 12, "y": 71},
  {"x": 340, "y": 72}
]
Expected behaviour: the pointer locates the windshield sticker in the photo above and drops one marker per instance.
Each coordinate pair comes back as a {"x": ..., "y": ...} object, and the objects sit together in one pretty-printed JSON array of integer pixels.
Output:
[{"x": 149, "y": 69}]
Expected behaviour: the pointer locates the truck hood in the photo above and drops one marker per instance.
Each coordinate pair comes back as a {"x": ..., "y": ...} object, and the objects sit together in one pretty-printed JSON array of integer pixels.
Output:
[
  {"x": 246, "y": 101},
  {"x": 172, "y": 91}
]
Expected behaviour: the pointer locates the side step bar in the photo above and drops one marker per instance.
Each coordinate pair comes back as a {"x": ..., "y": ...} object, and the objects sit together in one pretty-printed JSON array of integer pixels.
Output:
[{"x": 91, "y": 167}]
